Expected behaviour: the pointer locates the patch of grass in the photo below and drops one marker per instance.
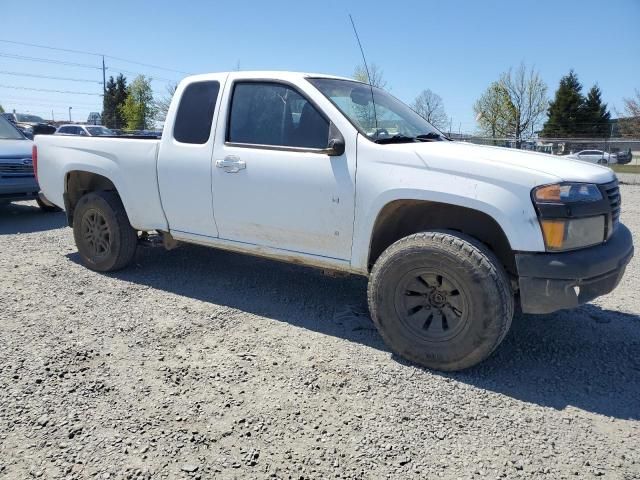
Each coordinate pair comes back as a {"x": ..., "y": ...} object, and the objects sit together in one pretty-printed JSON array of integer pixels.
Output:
[{"x": 625, "y": 168}]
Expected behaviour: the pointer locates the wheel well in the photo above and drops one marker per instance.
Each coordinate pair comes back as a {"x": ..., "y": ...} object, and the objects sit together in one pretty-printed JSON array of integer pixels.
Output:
[
  {"x": 79, "y": 183},
  {"x": 401, "y": 218}
]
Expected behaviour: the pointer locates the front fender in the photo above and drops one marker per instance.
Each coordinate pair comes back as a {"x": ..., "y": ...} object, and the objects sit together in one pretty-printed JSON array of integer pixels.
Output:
[{"x": 516, "y": 217}]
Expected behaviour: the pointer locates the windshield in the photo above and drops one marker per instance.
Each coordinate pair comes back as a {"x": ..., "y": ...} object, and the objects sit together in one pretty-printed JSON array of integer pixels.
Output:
[
  {"x": 8, "y": 131},
  {"x": 99, "y": 131},
  {"x": 391, "y": 121},
  {"x": 23, "y": 117}
]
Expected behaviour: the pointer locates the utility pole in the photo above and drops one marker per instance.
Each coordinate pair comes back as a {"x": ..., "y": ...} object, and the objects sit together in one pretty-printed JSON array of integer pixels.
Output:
[
  {"x": 70, "y": 114},
  {"x": 104, "y": 84},
  {"x": 104, "y": 79},
  {"x": 52, "y": 119}
]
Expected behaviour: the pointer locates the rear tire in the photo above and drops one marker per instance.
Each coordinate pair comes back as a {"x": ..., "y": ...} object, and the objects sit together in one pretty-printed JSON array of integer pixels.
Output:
[
  {"x": 441, "y": 300},
  {"x": 105, "y": 239}
]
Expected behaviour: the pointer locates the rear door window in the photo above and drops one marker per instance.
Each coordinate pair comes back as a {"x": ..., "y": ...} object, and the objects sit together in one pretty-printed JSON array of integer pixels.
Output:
[{"x": 195, "y": 113}]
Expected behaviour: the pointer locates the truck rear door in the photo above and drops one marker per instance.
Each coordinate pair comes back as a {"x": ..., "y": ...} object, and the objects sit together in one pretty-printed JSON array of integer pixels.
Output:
[{"x": 185, "y": 156}]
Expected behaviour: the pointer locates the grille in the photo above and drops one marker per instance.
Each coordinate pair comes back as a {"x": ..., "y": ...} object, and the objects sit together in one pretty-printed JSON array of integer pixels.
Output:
[
  {"x": 15, "y": 169},
  {"x": 613, "y": 194}
]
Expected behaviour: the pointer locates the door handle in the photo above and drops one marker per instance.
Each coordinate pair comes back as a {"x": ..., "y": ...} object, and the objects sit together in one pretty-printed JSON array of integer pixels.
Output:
[{"x": 231, "y": 164}]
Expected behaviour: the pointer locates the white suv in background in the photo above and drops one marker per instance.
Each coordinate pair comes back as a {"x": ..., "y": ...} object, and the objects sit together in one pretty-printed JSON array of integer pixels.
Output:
[
  {"x": 84, "y": 130},
  {"x": 595, "y": 156}
]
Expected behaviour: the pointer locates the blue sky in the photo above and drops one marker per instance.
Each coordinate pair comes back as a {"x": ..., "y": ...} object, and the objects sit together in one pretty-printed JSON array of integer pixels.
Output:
[{"x": 454, "y": 48}]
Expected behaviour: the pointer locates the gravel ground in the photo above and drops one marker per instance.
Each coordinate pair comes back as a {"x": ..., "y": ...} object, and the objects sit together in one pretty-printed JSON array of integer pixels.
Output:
[
  {"x": 629, "y": 178},
  {"x": 197, "y": 363}
]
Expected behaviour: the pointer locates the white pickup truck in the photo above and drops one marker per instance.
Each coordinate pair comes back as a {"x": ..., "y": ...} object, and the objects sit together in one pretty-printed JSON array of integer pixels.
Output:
[{"x": 328, "y": 172}]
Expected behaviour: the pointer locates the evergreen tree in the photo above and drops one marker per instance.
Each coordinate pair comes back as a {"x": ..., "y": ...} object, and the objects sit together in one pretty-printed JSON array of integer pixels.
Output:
[
  {"x": 595, "y": 117},
  {"x": 565, "y": 111},
  {"x": 109, "y": 105},
  {"x": 120, "y": 98}
]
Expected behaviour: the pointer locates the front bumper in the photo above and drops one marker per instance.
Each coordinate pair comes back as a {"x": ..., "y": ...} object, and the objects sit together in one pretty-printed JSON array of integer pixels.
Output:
[
  {"x": 554, "y": 281},
  {"x": 18, "y": 188}
]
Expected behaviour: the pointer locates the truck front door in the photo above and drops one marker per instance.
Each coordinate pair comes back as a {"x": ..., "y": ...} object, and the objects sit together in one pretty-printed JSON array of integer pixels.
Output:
[{"x": 274, "y": 184}]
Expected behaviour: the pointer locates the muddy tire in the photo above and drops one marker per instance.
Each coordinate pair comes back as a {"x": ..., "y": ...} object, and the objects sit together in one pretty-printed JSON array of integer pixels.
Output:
[
  {"x": 441, "y": 300},
  {"x": 105, "y": 239}
]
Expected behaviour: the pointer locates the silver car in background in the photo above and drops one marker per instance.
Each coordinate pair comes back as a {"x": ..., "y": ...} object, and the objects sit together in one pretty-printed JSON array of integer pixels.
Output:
[
  {"x": 84, "y": 130},
  {"x": 595, "y": 156}
]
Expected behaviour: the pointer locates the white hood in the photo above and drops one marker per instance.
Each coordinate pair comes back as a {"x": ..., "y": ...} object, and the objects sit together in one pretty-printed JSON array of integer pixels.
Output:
[{"x": 560, "y": 167}]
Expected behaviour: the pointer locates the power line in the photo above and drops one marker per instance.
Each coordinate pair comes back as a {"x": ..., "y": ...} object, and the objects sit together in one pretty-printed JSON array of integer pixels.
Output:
[
  {"x": 54, "y": 106},
  {"x": 48, "y": 60},
  {"x": 20, "y": 74},
  {"x": 50, "y": 48},
  {"x": 84, "y": 65},
  {"x": 148, "y": 65},
  {"x": 28, "y": 99},
  {"x": 48, "y": 90},
  {"x": 153, "y": 77}
]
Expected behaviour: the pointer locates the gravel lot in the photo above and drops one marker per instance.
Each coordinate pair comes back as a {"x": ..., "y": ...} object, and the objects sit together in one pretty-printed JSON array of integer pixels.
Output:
[{"x": 203, "y": 364}]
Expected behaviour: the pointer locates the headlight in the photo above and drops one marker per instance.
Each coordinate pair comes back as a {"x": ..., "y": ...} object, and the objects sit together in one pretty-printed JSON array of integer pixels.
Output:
[
  {"x": 571, "y": 215},
  {"x": 568, "y": 192}
]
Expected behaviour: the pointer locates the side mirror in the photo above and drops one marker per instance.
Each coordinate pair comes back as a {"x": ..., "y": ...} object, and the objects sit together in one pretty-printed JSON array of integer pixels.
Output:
[{"x": 335, "y": 145}]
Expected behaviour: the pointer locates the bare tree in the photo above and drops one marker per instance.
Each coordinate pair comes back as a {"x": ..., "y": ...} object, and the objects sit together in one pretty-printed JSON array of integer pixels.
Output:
[
  {"x": 377, "y": 75},
  {"x": 630, "y": 124},
  {"x": 430, "y": 106},
  {"x": 514, "y": 106},
  {"x": 162, "y": 105},
  {"x": 527, "y": 102}
]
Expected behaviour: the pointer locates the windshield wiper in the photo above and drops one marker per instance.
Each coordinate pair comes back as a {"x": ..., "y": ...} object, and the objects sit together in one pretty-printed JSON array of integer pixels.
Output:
[
  {"x": 396, "y": 139},
  {"x": 429, "y": 137}
]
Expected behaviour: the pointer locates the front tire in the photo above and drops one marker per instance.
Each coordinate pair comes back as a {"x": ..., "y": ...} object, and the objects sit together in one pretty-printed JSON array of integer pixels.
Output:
[
  {"x": 441, "y": 300},
  {"x": 105, "y": 239}
]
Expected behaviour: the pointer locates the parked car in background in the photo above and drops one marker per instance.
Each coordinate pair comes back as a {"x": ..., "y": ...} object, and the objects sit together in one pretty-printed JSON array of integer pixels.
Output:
[
  {"x": 17, "y": 179},
  {"x": 298, "y": 168},
  {"x": 595, "y": 156},
  {"x": 624, "y": 156},
  {"x": 85, "y": 130},
  {"x": 29, "y": 124}
]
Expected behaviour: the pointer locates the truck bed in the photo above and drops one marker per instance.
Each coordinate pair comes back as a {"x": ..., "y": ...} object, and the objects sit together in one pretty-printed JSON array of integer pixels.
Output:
[{"x": 130, "y": 163}]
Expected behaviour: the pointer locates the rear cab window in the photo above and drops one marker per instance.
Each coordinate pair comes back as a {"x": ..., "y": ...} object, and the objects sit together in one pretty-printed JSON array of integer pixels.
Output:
[{"x": 195, "y": 112}]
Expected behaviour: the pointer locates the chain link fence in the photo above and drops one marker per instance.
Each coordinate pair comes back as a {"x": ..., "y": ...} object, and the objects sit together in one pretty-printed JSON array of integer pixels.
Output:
[{"x": 621, "y": 151}]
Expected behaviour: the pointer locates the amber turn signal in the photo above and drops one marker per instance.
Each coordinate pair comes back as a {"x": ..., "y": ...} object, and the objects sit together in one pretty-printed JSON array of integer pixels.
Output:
[
  {"x": 553, "y": 231},
  {"x": 550, "y": 193}
]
